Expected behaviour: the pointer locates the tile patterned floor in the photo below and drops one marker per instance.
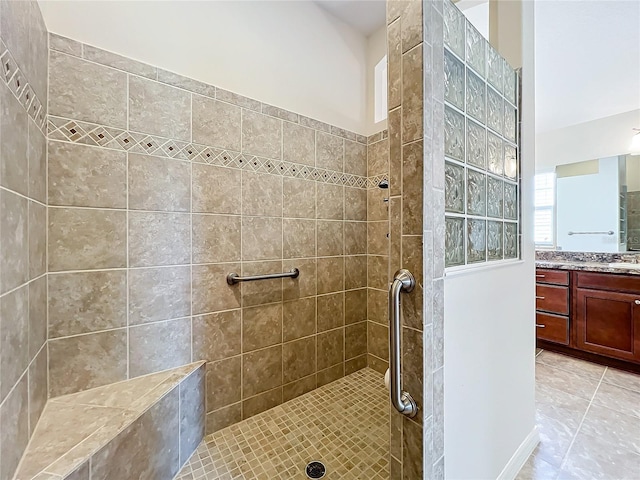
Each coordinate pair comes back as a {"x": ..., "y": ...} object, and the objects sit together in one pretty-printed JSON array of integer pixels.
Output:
[
  {"x": 344, "y": 424},
  {"x": 589, "y": 422}
]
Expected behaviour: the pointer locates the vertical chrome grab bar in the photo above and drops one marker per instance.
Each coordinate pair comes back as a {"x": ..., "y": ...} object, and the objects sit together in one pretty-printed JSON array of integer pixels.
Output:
[{"x": 403, "y": 281}]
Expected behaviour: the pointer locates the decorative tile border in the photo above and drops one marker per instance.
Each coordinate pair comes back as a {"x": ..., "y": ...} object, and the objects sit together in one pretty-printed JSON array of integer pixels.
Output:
[
  {"x": 376, "y": 137},
  {"x": 374, "y": 182},
  {"x": 112, "y": 60},
  {"x": 18, "y": 84},
  {"x": 76, "y": 131}
]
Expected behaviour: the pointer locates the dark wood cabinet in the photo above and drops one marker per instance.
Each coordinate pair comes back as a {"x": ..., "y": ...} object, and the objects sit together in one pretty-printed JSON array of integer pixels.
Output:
[
  {"x": 608, "y": 323},
  {"x": 552, "y": 328},
  {"x": 552, "y": 306},
  {"x": 590, "y": 314},
  {"x": 552, "y": 298}
]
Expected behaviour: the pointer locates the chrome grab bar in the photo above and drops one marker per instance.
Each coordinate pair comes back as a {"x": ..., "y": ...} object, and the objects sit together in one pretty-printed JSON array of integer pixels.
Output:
[
  {"x": 403, "y": 281},
  {"x": 610, "y": 232},
  {"x": 234, "y": 278}
]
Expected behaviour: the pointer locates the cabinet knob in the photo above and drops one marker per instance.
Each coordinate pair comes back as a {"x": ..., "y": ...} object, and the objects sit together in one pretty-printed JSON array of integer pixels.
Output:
[
  {"x": 637, "y": 302},
  {"x": 540, "y": 325}
]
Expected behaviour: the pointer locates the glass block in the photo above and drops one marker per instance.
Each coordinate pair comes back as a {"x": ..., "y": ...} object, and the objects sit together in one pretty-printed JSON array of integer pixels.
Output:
[
  {"x": 510, "y": 201},
  {"x": 509, "y": 122},
  {"x": 476, "y": 193},
  {"x": 494, "y": 197},
  {"x": 453, "y": 28},
  {"x": 454, "y": 188},
  {"x": 476, "y": 240},
  {"x": 510, "y": 79},
  {"x": 475, "y": 96},
  {"x": 453, "y": 80},
  {"x": 510, "y": 161},
  {"x": 454, "y": 242},
  {"x": 453, "y": 134},
  {"x": 494, "y": 240},
  {"x": 495, "y": 157},
  {"x": 494, "y": 110},
  {"x": 476, "y": 49},
  {"x": 476, "y": 145},
  {"x": 494, "y": 68},
  {"x": 510, "y": 240}
]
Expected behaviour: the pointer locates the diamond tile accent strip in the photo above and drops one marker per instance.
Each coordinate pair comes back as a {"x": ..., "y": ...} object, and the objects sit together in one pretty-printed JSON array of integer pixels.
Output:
[
  {"x": 373, "y": 182},
  {"x": 18, "y": 84},
  {"x": 98, "y": 135},
  {"x": 344, "y": 424}
]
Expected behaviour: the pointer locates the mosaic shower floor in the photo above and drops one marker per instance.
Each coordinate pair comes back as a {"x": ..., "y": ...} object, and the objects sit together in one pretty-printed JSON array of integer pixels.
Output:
[{"x": 344, "y": 424}]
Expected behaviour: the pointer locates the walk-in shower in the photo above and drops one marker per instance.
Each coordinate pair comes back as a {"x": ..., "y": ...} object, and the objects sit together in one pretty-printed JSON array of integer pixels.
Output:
[{"x": 208, "y": 286}]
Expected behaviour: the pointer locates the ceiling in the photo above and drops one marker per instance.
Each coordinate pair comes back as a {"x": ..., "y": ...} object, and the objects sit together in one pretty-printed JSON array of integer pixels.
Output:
[
  {"x": 366, "y": 16},
  {"x": 587, "y": 60}
]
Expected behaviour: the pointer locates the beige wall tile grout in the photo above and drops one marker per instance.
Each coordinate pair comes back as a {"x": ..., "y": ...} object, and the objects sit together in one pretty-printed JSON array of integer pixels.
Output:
[
  {"x": 25, "y": 197},
  {"x": 23, "y": 285}
]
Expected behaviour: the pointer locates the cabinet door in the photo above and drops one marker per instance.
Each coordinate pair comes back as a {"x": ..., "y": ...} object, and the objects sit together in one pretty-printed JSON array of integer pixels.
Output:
[{"x": 608, "y": 323}]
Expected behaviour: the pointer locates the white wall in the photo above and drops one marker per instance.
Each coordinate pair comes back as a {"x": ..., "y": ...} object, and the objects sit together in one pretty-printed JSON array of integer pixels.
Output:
[
  {"x": 376, "y": 50},
  {"x": 490, "y": 339},
  {"x": 290, "y": 54},
  {"x": 587, "y": 61},
  {"x": 477, "y": 12},
  {"x": 600, "y": 138},
  {"x": 589, "y": 203}
]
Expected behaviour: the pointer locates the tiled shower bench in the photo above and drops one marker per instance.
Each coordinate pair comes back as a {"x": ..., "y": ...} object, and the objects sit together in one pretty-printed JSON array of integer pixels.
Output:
[{"x": 143, "y": 428}]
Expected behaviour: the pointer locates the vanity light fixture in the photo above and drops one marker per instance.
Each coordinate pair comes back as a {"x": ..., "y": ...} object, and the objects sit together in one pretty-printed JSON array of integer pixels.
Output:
[{"x": 634, "y": 147}]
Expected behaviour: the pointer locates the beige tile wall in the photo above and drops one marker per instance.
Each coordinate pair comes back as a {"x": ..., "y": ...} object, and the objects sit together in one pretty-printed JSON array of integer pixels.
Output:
[
  {"x": 378, "y": 254},
  {"x": 23, "y": 282},
  {"x": 140, "y": 245},
  {"x": 416, "y": 145}
]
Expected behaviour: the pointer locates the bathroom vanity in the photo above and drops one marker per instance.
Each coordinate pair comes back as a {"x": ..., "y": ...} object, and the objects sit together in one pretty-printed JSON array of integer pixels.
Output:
[{"x": 590, "y": 310}]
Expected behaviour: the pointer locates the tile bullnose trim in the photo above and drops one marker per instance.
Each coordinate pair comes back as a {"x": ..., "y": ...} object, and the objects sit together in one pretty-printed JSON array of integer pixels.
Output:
[
  {"x": 76, "y": 131},
  {"x": 17, "y": 82}
]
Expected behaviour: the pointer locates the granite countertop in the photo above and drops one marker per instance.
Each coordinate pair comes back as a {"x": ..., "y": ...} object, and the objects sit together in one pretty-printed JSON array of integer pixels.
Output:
[{"x": 587, "y": 266}]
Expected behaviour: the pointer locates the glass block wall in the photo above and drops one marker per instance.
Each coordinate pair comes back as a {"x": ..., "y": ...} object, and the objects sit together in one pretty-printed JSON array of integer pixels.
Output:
[{"x": 481, "y": 148}]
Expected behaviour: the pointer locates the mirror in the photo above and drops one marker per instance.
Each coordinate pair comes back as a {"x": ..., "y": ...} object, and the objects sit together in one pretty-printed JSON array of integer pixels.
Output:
[
  {"x": 597, "y": 205},
  {"x": 587, "y": 109}
]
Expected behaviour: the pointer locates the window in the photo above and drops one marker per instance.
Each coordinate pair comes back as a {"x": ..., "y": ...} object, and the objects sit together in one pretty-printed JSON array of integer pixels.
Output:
[
  {"x": 545, "y": 197},
  {"x": 380, "y": 90}
]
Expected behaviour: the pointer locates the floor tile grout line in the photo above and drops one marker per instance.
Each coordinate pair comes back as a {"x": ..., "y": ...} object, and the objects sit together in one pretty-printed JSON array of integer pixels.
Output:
[{"x": 573, "y": 440}]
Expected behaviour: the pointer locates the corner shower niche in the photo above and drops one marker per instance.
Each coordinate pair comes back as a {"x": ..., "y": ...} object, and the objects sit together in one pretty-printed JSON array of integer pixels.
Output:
[{"x": 146, "y": 427}]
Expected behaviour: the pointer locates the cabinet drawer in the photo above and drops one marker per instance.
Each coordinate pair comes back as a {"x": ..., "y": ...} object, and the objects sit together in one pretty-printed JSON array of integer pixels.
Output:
[
  {"x": 609, "y": 281},
  {"x": 552, "y": 328},
  {"x": 557, "y": 277},
  {"x": 551, "y": 298}
]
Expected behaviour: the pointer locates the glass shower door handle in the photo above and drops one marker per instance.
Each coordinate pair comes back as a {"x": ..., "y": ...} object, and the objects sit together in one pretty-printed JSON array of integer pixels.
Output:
[{"x": 403, "y": 281}]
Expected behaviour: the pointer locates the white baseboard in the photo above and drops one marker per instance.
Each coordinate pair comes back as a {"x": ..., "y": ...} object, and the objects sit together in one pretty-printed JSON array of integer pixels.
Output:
[{"x": 520, "y": 457}]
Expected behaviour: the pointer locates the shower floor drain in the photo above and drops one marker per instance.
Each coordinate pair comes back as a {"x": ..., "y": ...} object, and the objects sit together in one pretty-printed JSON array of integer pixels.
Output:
[{"x": 315, "y": 470}]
